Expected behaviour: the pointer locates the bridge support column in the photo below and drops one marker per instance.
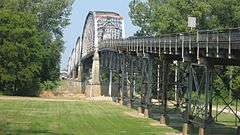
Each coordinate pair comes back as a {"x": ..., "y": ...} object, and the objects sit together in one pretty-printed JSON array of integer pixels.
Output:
[
  {"x": 73, "y": 74},
  {"x": 208, "y": 118},
  {"x": 176, "y": 87},
  {"x": 149, "y": 77},
  {"x": 188, "y": 113},
  {"x": 141, "y": 108},
  {"x": 146, "y": 85},
  {"x": 202, "y": 131},
  {"x": 110, "y": 82},
  {"x": 128, "y": 79},
  {"x": 110, "y": 74},
  {"x": 119, "y": 88},
  {"x": 164, "y": 95},
  {"x": 132, "y": 80},
  {"x": 118, "y": 68},
  {"x": 122, "y": 81},
  {"x": 80, "y": 77},
  {"x": 94, "y": 88},
  {"x": 187, "y": 129}
]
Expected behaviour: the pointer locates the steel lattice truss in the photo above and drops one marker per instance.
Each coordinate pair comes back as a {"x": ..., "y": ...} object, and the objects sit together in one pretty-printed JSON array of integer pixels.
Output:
[
  {"x": 101, "y": 26},
  {"x": 109, "y": 26},
  {"x": 88, "y": 39},
  {"x": 98, "y": 26}
]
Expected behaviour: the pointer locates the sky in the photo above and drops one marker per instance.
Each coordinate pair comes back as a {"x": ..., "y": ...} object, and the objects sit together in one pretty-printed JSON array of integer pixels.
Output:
[{"x": 80, "y": 10}]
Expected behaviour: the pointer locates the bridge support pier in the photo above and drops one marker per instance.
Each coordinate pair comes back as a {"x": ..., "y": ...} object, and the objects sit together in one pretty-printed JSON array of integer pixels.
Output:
[
  {"x": 80, "y": 77},
  {"x": 119, "y": 93},
  {"x": 110, "y": 66},
  {"x": 94, "y": 88},
  {"x": 146, "y": 111},
  {"x": 122, "y": 81},
  {"x": 187, "y": 129},
  {"x": 164, "y": 95},
  {"x": 73, "y": 74},
  {"x": 132, "y": 82},
  {"x": 146, "y": 89},
  {"x": 163, "y": 119},
  {"x": 202, "y": 131},
  {"x": 110, "y": 83}
]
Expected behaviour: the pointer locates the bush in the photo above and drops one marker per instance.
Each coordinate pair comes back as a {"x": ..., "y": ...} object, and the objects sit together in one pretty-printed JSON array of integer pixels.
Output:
[
  {"x": 50, "y": 85},
  {"x": 30, "y": 88}
]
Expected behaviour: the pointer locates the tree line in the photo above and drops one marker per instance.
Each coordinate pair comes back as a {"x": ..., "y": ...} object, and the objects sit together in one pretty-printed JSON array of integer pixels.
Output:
[
  {"x": 31, "y": 43},
  {"x": 155, "y": 17}
]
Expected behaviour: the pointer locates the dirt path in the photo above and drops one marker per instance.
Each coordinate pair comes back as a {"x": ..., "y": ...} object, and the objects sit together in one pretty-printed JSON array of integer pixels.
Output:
[
  {"x": 37, "y": 98},
  {"x": 56, "y": 98}
]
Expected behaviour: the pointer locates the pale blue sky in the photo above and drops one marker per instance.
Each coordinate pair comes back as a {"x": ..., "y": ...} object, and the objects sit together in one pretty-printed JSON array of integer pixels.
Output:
[{"x": 79, "y": 12}]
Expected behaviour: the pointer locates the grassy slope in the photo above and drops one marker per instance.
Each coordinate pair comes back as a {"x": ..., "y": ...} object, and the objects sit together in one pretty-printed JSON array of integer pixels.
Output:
[{"x": 76, "y": 117}]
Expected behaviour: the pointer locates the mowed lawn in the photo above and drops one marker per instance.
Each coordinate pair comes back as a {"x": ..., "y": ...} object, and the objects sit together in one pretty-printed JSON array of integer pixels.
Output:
[{"x": 24, "y": 116}]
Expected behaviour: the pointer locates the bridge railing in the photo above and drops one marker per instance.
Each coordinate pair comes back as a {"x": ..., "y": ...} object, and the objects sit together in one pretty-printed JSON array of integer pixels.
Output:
[{"x": 179, "y": 40}]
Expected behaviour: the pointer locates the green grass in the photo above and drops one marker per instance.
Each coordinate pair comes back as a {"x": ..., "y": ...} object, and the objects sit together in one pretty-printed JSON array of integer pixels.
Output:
[{"x": 25, "y": 117}]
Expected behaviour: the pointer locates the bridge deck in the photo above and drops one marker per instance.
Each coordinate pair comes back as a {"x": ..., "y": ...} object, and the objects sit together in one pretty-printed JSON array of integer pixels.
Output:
[{"x": 222, "y": 46}]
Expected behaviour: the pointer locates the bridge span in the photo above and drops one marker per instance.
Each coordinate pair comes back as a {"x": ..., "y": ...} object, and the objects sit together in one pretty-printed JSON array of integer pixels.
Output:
[{"x": 176, "y": 67}]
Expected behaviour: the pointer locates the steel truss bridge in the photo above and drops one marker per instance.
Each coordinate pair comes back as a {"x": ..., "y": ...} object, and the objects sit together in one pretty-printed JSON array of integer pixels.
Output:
[{"x": 174, "y": 68}]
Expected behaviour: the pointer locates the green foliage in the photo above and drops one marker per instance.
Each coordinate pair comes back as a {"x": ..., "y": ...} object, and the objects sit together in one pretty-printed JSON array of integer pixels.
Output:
[
  {"x": 21, "y": 52},
  {"x": 51, "y": 65},
  {"x": 228, "y": 85},
  {"x": 235, "y": 83},
  {"x": 50, "y": 85},
  {"x": 31, "y": 43},
  {"x": 156, "y": 17}
]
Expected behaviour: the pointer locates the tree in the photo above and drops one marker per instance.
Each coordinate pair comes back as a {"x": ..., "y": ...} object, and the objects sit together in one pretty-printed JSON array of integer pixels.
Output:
[
  {"x": 21, "y": 52},
  {"x": 155, "y": 17},
  {"x": 53, "y": 16},
  {"x": 43, "y": 30}
]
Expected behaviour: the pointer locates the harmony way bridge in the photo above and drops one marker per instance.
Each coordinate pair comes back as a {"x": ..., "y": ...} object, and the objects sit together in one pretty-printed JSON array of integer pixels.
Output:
[{"x": 173, "y": 68}]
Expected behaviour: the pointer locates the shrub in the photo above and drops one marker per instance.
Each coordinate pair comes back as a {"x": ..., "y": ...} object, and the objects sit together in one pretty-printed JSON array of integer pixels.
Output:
[{"x": 50, "y": 85}]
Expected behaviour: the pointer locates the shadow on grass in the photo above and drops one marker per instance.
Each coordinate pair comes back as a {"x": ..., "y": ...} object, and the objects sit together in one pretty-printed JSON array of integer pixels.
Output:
[
  {"x": 175, "y": 120},
  {"x": 31, "y": 131}
]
